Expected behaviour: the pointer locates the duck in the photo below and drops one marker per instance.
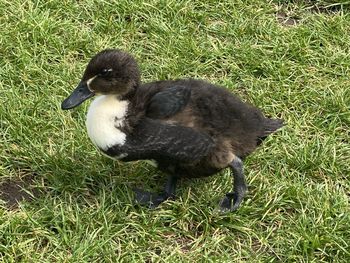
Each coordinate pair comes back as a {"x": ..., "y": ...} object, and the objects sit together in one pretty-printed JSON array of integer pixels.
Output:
[{"x": 189, "y": 127}]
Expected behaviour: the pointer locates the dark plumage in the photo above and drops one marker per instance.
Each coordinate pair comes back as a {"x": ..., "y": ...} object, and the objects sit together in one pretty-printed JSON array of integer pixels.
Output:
[{"x": 191, "y": 128}]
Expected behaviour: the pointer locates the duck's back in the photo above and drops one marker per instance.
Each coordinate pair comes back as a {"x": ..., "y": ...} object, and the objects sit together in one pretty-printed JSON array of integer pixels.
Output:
[{"x": 217, "y": 112}]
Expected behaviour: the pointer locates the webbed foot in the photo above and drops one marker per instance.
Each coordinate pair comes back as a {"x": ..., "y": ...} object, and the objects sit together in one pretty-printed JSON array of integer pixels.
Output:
[
  {"x": 152, "y": 200},
  {"x": 230, "y": 202},
  {"x": 233, "y": 199},
  {"x": 149, "y": 199}
]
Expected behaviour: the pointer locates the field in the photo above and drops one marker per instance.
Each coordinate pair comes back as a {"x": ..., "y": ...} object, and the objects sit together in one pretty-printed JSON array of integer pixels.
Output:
[{"x": 62, "y": 201}]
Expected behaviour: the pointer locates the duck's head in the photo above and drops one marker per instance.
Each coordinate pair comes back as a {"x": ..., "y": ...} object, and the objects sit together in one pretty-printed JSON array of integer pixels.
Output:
[{"x": 109, "y": 72}]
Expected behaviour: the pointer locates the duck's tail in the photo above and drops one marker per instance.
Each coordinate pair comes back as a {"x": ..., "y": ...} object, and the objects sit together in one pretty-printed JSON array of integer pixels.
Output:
[{"x": 270, "y": 126}]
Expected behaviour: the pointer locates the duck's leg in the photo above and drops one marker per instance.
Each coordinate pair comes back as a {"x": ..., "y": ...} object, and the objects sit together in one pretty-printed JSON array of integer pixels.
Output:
[
  {"x": 152, "y": 200},
  {"x": 233, "y": 199}
]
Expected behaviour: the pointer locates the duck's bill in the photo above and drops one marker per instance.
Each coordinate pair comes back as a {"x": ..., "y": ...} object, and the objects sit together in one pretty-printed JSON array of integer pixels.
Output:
[{"x": 78, "y": 96}]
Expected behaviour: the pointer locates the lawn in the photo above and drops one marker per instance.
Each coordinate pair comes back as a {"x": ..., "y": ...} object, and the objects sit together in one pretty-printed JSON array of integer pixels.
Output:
[{"x": 290, "y": 58}]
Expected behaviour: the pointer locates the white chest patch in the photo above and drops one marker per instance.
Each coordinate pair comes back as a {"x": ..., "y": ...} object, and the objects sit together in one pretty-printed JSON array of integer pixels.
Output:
[{"x": 106, "y": 113}]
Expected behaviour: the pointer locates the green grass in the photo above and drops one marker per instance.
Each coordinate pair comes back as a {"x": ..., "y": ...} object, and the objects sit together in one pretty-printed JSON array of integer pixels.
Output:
[{"x": 297, "y": 208}]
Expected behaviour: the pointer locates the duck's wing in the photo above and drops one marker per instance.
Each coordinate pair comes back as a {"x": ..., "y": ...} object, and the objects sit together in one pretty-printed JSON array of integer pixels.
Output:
[
  {"x": 168, "y": 102},
  {"x": 152, "y": 139}
]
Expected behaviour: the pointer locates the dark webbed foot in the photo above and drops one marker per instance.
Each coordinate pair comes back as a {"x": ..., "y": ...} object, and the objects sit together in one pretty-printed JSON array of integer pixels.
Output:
[
  {"x": 152, "y": 200},
  {"x": 232, "y": 200}
]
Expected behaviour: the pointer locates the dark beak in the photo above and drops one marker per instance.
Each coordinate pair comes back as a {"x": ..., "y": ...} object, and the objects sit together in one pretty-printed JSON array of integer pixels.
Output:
[{"x": 78, "y": 96}]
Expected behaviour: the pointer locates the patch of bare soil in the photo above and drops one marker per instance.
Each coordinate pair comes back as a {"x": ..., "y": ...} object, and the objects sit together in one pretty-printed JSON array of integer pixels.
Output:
[
  {"x": 288, "y": 17},
  {"x": 286, "y": 20},
  {"x": 326, "y": 9},
  {"x": 15, "y": 190}
]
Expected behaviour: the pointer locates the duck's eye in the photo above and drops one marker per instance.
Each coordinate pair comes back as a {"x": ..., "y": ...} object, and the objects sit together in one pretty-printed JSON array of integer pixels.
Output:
[{"x": 105, "y": 72}]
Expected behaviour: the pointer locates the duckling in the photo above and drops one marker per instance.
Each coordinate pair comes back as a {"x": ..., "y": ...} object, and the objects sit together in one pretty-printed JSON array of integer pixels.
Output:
[{"x": 189, "y": 127}]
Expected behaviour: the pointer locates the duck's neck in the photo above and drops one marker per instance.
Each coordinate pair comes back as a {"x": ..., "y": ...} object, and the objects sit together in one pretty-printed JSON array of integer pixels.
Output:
[
  {"x": 107, "y": 121},
  {"x": 130, "y": 94}
]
